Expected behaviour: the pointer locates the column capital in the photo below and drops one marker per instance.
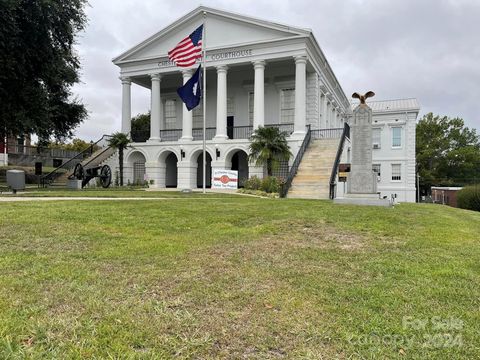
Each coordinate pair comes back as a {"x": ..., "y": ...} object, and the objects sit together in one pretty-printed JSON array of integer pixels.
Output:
[
  {"x": 126, "y": 80},
  {"x": 259, "y": 64},
  {"x": 222, "y": 68},
  {"x": 301, "y": 59},
  {"x": 156, "y": 77}
]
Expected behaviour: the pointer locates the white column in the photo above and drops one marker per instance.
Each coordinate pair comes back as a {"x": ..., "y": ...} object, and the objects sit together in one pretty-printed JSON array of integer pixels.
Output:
[
  {"x": 187, "y": 115},
  {"x": 323, "y": 112},
  {"x": 221, "y": 132},
  {"x": 300, "y": 94},
  {"x": 334, "y": 117},
  {"x": 259, "y": 94},
  {"x": 156, "y": 109},
  {"x": 126, "y": 105}
]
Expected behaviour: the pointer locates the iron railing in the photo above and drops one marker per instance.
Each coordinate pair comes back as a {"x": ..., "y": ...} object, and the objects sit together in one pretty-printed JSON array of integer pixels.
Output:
[
  {"x": 233, "y": 132},
  {"x": 288, "y": 128},
  {"x": 197, "y": 133},
  {"x": 31, "y": 150},
  {"x": 345, "y": 135},
  {"x": 170, "y": 134},
  {"x": 70, "y": 164},
  {"x": 296, "y": 163},
  {"x": 239, "y": 132},
  {"x": 327, "y": 133}
]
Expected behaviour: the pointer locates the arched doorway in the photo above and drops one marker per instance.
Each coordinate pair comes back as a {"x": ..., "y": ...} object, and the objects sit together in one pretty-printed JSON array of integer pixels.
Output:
[
  {"x": 137, "y": 162},
  {"x": 171, "y": 171},
  {"x": 208, "y": 171},
  {"x": 240, "y": 163}
]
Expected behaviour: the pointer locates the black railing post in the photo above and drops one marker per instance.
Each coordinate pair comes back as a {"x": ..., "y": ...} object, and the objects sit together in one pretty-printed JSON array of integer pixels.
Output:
[{"x": 346, "y": 130}]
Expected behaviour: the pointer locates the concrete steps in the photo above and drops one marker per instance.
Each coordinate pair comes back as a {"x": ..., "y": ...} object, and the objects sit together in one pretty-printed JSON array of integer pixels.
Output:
[{"x": 313, "y": 176}]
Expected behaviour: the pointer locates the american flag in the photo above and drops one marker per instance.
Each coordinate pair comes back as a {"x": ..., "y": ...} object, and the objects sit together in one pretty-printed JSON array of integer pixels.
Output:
[{"x": 188, "y": 50}]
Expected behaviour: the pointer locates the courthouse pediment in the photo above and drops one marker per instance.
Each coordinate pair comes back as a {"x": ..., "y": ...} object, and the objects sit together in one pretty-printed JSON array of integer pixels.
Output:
[{"x": 223, "y": 29}]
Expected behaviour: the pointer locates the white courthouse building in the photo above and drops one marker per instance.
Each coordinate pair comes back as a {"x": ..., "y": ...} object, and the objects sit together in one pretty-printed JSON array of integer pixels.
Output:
[{"x": 259, "y": 73}]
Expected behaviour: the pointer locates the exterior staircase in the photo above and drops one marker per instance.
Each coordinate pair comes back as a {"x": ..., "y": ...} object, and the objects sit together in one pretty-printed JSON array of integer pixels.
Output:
[
  {"x": 312, "y": 180},
  {"x": 94, "y": 160},
  {"x": 88, "y": 159}
]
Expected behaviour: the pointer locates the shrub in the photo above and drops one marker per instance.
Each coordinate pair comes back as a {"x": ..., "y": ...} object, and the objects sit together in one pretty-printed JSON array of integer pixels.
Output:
[
  {"x": 270, "y": 184},
  {"x": 469, "y": 198},
  {"x": 254, "y": 183}
]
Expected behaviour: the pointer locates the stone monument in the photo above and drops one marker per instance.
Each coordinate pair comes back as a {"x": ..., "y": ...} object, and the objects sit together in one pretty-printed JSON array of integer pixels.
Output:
[{"x": 362, "y": 180}]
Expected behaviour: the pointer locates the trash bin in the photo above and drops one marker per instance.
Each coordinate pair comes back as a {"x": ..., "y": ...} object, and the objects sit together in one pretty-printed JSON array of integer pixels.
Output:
[{"x": 16, "y": 180}]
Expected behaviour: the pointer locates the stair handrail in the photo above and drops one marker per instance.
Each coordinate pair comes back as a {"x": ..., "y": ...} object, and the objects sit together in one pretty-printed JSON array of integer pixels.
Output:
[
  {"x": 345, "y": 135},
  {"x": 81, "y": 155},
  {"x": 296, "y": 163},
  {"x": 98, "y": 155}
]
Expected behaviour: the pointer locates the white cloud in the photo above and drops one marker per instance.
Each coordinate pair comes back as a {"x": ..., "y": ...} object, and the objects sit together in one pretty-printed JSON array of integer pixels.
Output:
[{"x": 426, "y": 49}]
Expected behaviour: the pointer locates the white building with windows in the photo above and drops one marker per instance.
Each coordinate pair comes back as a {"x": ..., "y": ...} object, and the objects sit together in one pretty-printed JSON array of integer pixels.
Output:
[{"x": 259, "y": 73}]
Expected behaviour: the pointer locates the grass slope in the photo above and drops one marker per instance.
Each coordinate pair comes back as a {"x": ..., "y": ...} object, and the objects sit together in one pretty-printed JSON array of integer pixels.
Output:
[{"x": 238, "y": 278}]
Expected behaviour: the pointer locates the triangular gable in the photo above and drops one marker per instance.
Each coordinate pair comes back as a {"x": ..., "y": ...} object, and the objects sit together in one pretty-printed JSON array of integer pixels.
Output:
[{"x": 223, "y": 29}]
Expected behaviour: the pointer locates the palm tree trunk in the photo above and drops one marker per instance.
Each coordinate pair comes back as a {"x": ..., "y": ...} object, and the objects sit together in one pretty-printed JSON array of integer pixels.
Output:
[
  {"x": 269, "y": 167},
  {"x": 120, "y": 163}
]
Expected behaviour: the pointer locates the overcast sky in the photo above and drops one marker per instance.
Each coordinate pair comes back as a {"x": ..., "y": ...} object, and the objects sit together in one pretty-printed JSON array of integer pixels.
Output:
[{"x": 428, "y": 49}]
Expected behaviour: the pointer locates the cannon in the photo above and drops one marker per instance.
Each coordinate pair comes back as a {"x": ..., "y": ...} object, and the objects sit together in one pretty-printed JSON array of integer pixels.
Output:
[{"x": 104, "y": 173}]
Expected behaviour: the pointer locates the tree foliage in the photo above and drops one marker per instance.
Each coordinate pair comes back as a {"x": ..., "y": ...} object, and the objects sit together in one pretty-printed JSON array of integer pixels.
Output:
[
  {"x": 76, "y": 145},
  {"x": 141, "y": 127},
  {"x": 269, "y": 146},
  {"x": 38, "y": 66},
  {"x": 448, "y": 152}
]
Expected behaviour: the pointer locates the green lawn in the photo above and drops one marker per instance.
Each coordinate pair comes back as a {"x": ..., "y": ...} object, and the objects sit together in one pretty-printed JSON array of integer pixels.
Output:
[
  {"x": 238, "y": 278},
  {"x": 118, "y": 193}
]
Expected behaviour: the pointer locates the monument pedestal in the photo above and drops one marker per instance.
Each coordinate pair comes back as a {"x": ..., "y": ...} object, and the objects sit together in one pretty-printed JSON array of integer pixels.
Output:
[
  {"x": 362, "y": 183},
  {"x": 363, "y": 199}
]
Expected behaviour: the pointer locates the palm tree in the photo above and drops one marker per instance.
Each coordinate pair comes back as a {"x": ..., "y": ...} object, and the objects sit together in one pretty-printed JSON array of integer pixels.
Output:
[
  {"x": 268, "y": 147},
  {"x": 120, "y": 142}
]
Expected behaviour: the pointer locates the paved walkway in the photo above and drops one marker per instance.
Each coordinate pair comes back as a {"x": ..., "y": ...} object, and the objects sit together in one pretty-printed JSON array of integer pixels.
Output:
[{"x": 65, "y": 198}]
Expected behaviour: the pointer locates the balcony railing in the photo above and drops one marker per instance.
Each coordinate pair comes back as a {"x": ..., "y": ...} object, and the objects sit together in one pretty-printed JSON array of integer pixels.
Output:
[
  {"x": 170, "y": 134},
  {"x": 197, "y": 133},
  {"x": 233, "y": 132},
  {"x": 334, "y": 133},
  {"x": 288, "y": 128}
]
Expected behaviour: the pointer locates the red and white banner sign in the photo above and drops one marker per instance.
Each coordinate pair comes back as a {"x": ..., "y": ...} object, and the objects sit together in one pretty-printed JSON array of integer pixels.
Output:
[{"x": 225, "y": 179}]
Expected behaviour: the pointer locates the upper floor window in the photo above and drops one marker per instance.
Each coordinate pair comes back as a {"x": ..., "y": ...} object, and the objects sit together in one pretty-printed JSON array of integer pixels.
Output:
[
  {"x": 396, "y": 136},
  {"x": 287, "y": 106},
  {"x": 396, "y": 172},
  {"x": 376, "y": 138},
  {"x": 197, "y": 116},
  {"x": 170, "y": 114},
  {"x": 377, "y": 169},
  {"x": 230, "y": 106}
]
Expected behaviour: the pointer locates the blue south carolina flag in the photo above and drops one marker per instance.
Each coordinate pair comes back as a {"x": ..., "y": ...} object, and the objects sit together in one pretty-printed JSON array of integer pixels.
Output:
[{"x": 191, "y": 92}]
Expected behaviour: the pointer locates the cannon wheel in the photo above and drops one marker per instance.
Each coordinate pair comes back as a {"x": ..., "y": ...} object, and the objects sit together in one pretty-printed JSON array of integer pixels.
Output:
[
  {"x": 105, "y": 176},
  {"x": 79, "y": 172}
]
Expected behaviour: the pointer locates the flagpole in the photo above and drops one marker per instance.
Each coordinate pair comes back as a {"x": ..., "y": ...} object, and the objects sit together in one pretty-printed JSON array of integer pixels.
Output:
[{"x": 204, "y": 93}]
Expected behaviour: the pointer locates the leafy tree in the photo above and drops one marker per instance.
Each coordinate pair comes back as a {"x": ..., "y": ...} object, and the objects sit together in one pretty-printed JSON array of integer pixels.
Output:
[
  {"x": 141, "y": 127},
  {"x": 76, "y": 145},
  {"x": 269, "y": 146},
  {"x": 448, "y": 152},
  {"x": 38, "y": 66},
  {"x": 120, "y": 142}
]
